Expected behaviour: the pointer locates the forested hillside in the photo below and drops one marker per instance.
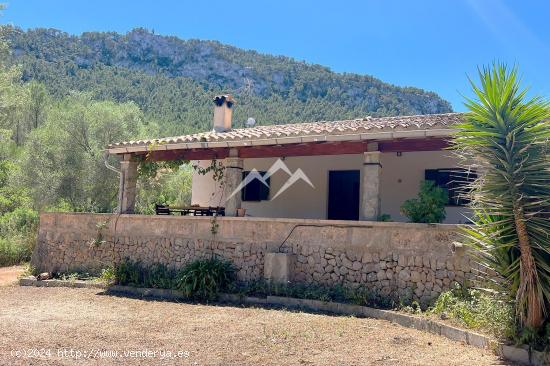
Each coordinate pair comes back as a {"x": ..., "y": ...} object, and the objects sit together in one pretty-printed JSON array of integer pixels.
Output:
[
  {"x": 173, "y": 80},
  {"x": 64, "y": 98}
]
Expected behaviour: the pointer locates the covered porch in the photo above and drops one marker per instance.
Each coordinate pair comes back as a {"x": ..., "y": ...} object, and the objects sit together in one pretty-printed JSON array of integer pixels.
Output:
[
  {"x": 349, "y": 180},
  {"x": 362, "y": 169}
]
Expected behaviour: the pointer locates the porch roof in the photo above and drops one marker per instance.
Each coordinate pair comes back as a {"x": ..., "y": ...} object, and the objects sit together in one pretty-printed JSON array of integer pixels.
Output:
[{"x": 383, "y": 128}]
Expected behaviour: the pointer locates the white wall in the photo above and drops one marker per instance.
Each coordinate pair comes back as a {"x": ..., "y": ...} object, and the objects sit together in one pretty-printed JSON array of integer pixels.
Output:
[
  {"x": 401, "y": 177},
  {"x": 400, "y": 180}
]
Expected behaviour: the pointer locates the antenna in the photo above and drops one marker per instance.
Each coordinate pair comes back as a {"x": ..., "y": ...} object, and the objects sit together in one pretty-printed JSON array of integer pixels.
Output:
[{"x": 250, "y": 122}]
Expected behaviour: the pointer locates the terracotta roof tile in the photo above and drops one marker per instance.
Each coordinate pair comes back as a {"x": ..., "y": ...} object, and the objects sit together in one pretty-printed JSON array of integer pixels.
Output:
[{"x": 354, "y": 126}]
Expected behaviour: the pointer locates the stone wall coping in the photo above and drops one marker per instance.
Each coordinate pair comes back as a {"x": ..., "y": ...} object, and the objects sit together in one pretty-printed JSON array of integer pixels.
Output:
[
  {"x": 342, "y": 223},
  {"x": 520, "y": 355}
]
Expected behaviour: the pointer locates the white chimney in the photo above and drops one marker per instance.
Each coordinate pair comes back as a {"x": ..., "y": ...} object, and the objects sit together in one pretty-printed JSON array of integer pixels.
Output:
[{"x": 223, "y": 109}]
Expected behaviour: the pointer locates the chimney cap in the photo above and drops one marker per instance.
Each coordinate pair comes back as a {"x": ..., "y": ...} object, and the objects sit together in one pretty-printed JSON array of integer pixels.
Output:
[{"x": 220, "y": 99}]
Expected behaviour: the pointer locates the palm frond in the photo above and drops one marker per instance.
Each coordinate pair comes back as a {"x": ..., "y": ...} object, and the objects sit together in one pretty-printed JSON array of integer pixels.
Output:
[{"x": 507, "y": 136}]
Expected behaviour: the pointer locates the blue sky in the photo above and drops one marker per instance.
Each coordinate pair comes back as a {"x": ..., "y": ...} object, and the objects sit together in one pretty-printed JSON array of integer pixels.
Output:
[{"x": 431, "y": 44}]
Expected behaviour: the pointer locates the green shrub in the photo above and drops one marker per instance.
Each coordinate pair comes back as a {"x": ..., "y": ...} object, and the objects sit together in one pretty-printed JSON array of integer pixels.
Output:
[
  {"x": 477, "y": 310},
  {"x": 17, "y": 236},
  {"x": 429, "y": 207},
  {"x": 76, "y": 275},
  {"x": 384, "y": 218},
  {"x": 205, "y": 278},
  {"x": 19, "y": 221},
  {"x": 202, "y": 279},
  {"x": 129, "y": 273},
  {"x": 14, "y": 251},
  {"x": 108, "y": 275},
  {"x": 413, "y": 308},
  {"x": 159, "y": 276},
  {"x": 539, "y": 339}
]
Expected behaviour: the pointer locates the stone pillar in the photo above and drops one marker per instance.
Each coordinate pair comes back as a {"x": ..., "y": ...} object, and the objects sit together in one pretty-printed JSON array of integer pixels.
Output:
[
  {"x": 370, "y": 186},
  {"x": 233, "y": 177},
  {"x": 127, "y": 188}
]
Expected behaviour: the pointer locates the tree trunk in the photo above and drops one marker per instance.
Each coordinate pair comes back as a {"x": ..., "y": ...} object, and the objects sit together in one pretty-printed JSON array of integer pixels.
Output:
[{"x": 531, "y": 309}]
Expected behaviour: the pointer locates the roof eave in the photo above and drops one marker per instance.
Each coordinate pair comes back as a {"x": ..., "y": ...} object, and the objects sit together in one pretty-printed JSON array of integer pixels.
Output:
[{"x": 381, "y": 135}]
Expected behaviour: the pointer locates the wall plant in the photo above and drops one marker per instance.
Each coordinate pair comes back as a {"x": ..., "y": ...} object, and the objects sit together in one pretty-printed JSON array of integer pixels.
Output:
[{"x": 429, "y": 207}]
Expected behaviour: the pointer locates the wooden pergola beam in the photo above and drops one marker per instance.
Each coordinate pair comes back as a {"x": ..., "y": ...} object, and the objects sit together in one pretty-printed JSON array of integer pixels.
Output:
[
  {"x": 302, "y": 149},
  {"x": 194, "y": 154},
  {"x": 412, "y": 145}
]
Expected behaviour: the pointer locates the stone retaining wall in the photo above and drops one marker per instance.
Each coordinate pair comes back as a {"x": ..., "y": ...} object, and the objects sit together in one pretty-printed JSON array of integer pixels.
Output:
[{"x": 394, "y": 258}]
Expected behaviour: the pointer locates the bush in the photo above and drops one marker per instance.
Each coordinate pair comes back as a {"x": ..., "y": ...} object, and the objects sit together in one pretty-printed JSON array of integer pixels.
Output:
[
  {"x": 14, "y": 251},
  {"x": 19, "y": 221},
  {"x": 477, "y": 310},
  {"x": 204, "y": 279},
  {"x": 384, "y": 218},
  {"x": 108, "y": 275},
  {"x": 429, "y": 207},
  {"x": 159, "y": 276},
  {"x": 128, "y": 273},
  {"x": 17, "y": 236},
  {"x": 490, "y": 313},
  {"x": 201, "y": 279}
]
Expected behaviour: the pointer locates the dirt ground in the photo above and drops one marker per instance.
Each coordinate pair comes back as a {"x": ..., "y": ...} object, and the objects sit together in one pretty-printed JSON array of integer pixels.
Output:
[
  {"x": 9, "y": 275},
  {"x": 61, "y": 326}
]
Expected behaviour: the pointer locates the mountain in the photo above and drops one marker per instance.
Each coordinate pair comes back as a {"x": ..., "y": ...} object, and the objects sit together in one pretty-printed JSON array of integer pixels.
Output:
[{"x": 173, "y": 80}]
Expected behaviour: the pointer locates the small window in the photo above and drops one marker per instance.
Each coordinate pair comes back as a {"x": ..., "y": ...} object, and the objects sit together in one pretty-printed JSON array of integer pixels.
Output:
[
  {"x": 255, "y": 190},
  {"x": 454, "y": 181}
]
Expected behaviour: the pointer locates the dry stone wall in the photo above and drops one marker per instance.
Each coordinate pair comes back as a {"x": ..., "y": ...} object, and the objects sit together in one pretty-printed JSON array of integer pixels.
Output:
[
  {"x": 421, "y": 276},
  {"x": 415, "y": 260}
]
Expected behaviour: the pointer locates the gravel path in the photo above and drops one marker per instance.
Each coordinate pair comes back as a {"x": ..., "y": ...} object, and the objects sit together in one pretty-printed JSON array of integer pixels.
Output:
[{"x": 72, "y": 326}]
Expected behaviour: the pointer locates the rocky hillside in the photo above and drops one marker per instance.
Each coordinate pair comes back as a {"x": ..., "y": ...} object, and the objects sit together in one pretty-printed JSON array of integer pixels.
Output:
[{"x": 172, "y": 80}]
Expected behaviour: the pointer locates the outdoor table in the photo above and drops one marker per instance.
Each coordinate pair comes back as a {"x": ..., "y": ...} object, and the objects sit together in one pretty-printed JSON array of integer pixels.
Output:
[{"x": 189, "y": 210}]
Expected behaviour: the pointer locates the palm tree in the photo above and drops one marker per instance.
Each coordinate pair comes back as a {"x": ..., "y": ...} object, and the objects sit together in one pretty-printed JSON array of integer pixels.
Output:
[{"x": 507, "y": 135}]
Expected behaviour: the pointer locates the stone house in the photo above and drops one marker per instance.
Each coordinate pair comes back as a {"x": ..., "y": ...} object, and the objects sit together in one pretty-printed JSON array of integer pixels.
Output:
[
  {"x": 312, "y": 192},
  {"x": 341, "y": 170}
]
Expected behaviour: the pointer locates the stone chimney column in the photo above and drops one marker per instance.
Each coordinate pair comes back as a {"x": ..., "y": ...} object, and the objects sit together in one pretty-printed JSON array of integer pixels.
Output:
[{"x": 223, "y": 112}]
